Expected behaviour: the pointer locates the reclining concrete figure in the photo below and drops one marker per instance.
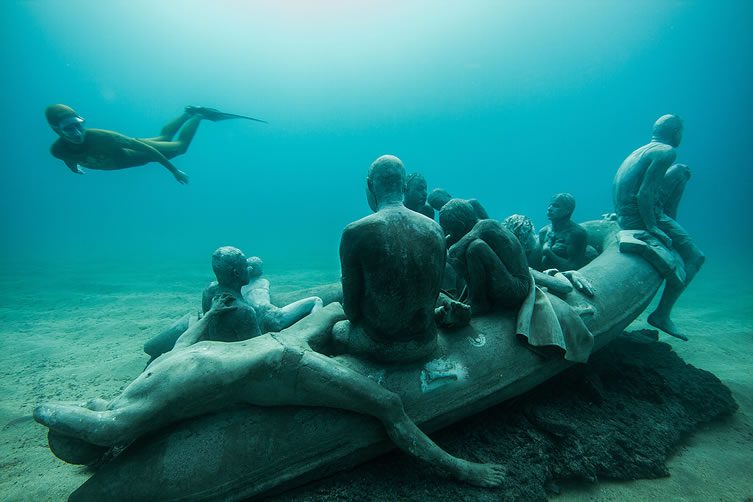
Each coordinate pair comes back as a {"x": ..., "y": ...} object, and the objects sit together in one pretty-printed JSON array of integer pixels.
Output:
[{"x": 289, "y": 368}]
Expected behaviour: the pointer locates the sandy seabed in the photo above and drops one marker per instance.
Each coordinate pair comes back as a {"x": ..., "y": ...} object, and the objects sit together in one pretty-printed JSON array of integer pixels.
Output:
[{"x": 73, "y": 333}]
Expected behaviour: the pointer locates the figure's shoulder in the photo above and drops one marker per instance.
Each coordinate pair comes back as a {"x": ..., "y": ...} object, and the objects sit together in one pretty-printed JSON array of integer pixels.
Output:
[{"x": 659, "y": 149}]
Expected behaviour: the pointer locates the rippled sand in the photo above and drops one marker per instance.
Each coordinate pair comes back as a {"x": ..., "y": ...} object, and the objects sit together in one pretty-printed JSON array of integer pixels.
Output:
[{"x": 76, "y": 332}]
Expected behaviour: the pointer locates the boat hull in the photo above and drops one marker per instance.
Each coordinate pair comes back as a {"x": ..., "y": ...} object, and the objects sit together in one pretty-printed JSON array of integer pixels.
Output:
[{"x": 256, "y": 451}]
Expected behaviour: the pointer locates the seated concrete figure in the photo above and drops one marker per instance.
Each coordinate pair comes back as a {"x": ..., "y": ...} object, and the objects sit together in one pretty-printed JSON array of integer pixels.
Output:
[
  {"x": 231, "y": 270},
  {"x": 638, "y": 188},
  {"x": 279, "y": 369},
  {"x": 269, "y": 316},
  {"x": 392, "y": 264},
  {"x": 415, "y": 195},
  {"x": 439, "y": 197},
  {"x": 559, "y": 283},
  {"x": 522, "y": 227},
  {"x": 229, "y": 266},
  {"x": 563, "y": 242},
  {"x": 488, "y": 256}
]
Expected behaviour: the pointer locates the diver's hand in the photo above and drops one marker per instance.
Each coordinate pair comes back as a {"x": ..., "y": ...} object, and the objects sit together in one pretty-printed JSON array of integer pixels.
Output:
[
  {"x": 579, "y": 282},
  {"x": 181, "y": 177}
]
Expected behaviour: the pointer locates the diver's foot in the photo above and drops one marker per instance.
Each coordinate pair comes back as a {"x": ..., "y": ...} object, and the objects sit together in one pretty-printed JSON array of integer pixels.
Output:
[
  {"x": 486, "y": 475},
  {"x": 215, "y": 115},
  {"x": 206, "y": 113},
  {"x": 666, "y": 325}
]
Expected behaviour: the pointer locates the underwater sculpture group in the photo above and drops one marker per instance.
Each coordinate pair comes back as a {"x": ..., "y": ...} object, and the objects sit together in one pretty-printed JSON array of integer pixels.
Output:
[{"x": 425, "y": 310}]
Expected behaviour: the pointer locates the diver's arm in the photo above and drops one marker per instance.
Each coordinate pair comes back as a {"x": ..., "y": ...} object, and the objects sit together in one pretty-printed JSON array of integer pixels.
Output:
[
  {"x": 73, "y": 167},
  {"x": 156, "y": 156}
]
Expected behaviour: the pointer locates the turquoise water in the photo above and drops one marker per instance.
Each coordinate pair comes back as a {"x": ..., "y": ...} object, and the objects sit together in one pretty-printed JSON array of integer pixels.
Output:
[{"x": 508, "y": 102}]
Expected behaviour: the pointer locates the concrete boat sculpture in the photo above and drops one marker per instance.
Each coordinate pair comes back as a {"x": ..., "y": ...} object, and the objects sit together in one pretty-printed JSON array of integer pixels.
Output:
[{"x": 256, "y": 451}]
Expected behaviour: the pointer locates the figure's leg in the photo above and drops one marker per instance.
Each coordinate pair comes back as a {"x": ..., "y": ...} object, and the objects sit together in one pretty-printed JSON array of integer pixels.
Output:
[
  {"x": 172, "y": 149},
  {"x": 490, "y": 282},
  {"x": 290, "y": 314},
  {"x": 672, "y": 188},
  {"x": 323, "y": 382},
  {"x": 693, "y": 258}
]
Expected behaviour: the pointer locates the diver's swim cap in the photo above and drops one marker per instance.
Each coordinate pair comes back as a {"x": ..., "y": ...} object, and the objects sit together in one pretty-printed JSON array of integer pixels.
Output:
[{"x": 56, "y": 113}]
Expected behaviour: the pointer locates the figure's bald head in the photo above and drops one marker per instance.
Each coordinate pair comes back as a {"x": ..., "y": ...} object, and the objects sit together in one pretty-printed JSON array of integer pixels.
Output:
[
  {"x": 229, "y": 265},
  {"x": 438, "y": 198},
  {"x": 668, "y": 129},
  {"x": 457, "y": 218},
  {"x": 386, "y": 177}
]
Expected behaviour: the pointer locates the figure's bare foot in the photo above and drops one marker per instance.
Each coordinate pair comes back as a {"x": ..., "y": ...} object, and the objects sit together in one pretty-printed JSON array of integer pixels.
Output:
[
  {"x": 485, "y": 475},
  {"x": 666, "y": 325}
]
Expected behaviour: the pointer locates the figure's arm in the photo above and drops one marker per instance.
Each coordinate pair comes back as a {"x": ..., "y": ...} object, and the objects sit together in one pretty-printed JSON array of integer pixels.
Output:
[
  {"x": 456, "y": 253},
  {"x": 575, "y": 242},
  {"x": 156, "y": 156},
  {"x": 198, "y": 331},
  {"x": 648, "y": 192},
  {"x": 554, "y": 281},
  {"x": 352, "y": 275}
]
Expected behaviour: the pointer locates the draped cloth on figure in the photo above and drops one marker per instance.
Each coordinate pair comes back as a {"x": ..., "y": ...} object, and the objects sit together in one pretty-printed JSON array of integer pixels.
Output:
[{"x": 547, "y": 321}]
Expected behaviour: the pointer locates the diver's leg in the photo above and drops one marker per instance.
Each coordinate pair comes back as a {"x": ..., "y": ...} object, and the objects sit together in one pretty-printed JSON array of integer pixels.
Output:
[
  {"x": 172, "y": 149},
  {"x": 170, "y": 129},
  {"x": 322, "y": 381}
]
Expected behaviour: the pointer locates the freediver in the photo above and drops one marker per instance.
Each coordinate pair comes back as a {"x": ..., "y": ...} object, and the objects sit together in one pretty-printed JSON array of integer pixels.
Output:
[{"x": 109, "y": 150}]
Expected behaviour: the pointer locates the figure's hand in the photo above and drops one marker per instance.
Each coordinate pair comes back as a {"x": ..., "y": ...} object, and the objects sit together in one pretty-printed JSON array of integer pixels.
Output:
[
  {"x": 181, "y": 177},
  {"x": 659, "y": 234},
  {"x": 453, "y": 314},
  {"x": 224, "y": 302},
  {"x": 579, "y": 282}
]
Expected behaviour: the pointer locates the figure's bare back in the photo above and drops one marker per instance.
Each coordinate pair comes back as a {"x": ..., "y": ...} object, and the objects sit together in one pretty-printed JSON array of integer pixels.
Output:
[{"x": 402, "y": 257}]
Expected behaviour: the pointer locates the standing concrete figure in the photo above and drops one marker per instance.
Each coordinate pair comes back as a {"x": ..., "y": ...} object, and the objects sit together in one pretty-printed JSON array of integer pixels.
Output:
[
  {"x": 563, "y": 243},
  {"x": 638, "y": 204},
  {"x": 392, "y": 264}
]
